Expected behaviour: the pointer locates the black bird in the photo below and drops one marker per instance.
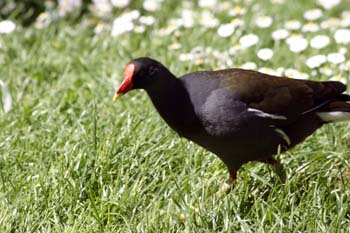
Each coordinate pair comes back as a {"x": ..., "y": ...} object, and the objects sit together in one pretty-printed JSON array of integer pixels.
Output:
[{"x": 239, "y": 115}]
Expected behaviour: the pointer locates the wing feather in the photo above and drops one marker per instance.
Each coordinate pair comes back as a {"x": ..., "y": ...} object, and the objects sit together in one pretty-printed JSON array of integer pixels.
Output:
[
  {"x": 279, "y": 95},
  {"x": 243, "y": 98}
]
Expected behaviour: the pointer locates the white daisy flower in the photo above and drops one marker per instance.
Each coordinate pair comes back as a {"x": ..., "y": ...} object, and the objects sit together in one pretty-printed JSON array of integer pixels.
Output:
[
  {"x": 43, "y": 20},
  {"x": 100, "y": 27},
  {"x": 233, "y": 50},
  {"x": 319, "y": 41},
  {"x": 316, "y": 61},
  {"x": 121, "y": 26},
  {"x": 207, "y": 3},
  {"x": 229, "y": 62},
  {"x": 236, "y": 11},
  {"x": 345, "y": 22},
  {"x": 267, "y": 70},
  {"x": 345, "y": 14},
  {"x": 328, "y": 4},
  {"x": 198, "y": 61},
  {"x": 314, "y": 73},
  {"x": 280, "y": 34},
  {"x": 280, "y": 71},
  {"x": 344, "y": 66},
  {"x": 176, "y": 23},
  {"x": 313, "y": 14},
  {"x": 292, "y": 25},
  {"x": 168, "y": 30},
  {"x": 224, "y": 6},
  {"x": 249, "y": 66},
  {"x": 343, "y": 50},
  {"x": 263, "y": 21},
  {"x": 124, "y": 23},
  {"x": 297, "y": 43},
  {"x": 174, "y": 46},
  {"x": 147, "y": 20},
  {"x": 265, "y": 54},
  {"x": 215, "y": 53},
  {"x": 226, "y": 30},
  {"x": 188, "y": 18},
  {"x": 102, "y": 7},
  {"x": 120, "y": 3},
  {"x": 131, "y": 15},
  {"x": 237, "y": 22},
  {"x": 67, "y": 6},
  {"x": 293, "y": 73},
  {"x": 248, "y": 40},
  {"x": 339, "y": 78},
  {"x": 178, "y": 33},
  {"x": 151, "y": 5},
  {"x": 330, "y": 23},
  {"x": 326, "y": 70},
  {"x": 199, "y": 51},
  {"x": 186, "y": 57},
  {"x": 208, "y": 49},
  {"x": 310, "y": 27},
  {"x": 208, "y": 20},
  {"x": 335, "y": 58},
  {"x": 140, "y": 29},
  {"x": 342, "y": 36},
  {"x": 303, "y": 76},
  {"x": 7, "y": 26}
]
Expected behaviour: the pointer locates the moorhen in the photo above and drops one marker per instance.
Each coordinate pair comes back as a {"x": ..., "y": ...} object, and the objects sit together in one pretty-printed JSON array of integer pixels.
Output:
[{"x": 239, "y": 115}]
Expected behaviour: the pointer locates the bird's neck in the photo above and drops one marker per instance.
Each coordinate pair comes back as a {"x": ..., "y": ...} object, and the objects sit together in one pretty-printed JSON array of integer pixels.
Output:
[{"x": 173, "y": 103}]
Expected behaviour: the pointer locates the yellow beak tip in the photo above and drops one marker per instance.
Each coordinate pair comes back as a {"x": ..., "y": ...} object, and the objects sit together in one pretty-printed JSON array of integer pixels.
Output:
[{"x": 116, "y": 96}]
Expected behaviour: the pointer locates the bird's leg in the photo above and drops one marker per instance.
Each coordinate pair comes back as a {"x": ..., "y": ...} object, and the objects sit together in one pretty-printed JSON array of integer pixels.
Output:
[
  {"x": 233, "y": 176},
  {"x": 228, "y": 185},
  {"x": 271, "y": 161},
  {"x": 278, "y": 168}
]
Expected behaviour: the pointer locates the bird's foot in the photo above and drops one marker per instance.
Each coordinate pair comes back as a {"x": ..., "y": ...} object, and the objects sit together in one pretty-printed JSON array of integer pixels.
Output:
[
  {"x": 278, "y": 168},
  {"x": 228, "y": 186}
]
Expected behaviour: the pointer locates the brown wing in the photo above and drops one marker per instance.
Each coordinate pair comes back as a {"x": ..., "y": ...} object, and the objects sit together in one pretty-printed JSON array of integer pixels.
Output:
[{"x": 279, "y": 95}]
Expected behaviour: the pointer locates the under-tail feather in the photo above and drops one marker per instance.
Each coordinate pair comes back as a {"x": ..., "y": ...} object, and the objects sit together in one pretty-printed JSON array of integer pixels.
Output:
[{"x": 337, "y": 110}]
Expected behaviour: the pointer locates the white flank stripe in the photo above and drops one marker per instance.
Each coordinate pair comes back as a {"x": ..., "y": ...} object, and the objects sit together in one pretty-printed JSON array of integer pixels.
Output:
[
  {"x": 266, "y": 115},
  {"x": 283, "y": 135},
  {"x": 334, "y": 116}
]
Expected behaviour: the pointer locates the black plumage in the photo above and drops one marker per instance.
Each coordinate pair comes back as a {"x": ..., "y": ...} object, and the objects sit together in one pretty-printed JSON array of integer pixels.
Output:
[{"x": 239, "y": 115}]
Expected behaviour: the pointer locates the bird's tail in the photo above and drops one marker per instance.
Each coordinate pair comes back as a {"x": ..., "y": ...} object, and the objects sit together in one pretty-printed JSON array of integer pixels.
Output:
[{"x": 336, "y": 110}]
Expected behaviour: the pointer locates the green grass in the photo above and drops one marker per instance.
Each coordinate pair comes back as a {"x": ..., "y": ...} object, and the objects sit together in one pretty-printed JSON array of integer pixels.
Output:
[{"x": 71, "y": 160}]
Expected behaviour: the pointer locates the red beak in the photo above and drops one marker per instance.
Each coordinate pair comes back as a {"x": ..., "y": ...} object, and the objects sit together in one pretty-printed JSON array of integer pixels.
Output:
[{"x": 126, "y": 85}]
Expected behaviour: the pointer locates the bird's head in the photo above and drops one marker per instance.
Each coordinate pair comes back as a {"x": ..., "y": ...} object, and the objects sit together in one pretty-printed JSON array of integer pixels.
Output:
[{"x": 139, "y": 73}]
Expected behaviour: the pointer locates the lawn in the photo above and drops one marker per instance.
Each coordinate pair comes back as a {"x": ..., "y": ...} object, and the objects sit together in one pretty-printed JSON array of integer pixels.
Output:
[{"x": 71, "y": 160}]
